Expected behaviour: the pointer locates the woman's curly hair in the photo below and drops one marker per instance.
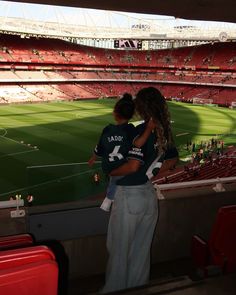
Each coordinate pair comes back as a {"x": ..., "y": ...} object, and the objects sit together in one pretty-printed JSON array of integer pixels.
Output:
[{"x": 150, "y": 103}]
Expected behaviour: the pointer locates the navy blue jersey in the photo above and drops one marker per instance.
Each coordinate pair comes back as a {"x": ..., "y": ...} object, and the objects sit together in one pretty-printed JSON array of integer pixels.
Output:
[
  {"x": 149, "y": 157},
  {"x": 114, "y": 144}
]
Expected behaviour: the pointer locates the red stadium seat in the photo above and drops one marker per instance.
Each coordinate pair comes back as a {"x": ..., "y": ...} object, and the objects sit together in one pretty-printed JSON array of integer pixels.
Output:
[
  {"x": 219, "y": 251},
  {"x": 38, "y": 278},
  {"x": 17, "y": 257},
  {"x": 31, "y": 270},
  {"x": 16, "y": 241},
  {"x": 34, "y": 254}
]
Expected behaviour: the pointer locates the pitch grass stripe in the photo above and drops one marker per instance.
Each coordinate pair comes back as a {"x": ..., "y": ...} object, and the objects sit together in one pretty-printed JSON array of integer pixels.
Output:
[
  {"x": 183, "y": 113},
  {"x": 93, "y": 105},
  {"x": 48, "y": 108},
  {"x": 14, "y": 171},
  {"x": 92, "y": 102},
  {"x": 53, "y": 145},
  {"x": 41, "y": 156},
  {"x": 34, "y": 110},
  {"x": 46, "y": 182},
  {"x": 18, "y": 153},
  {"x": 4, "y": 132},
  {"x": 41, "y": 130},
  {"x": 15, "y": 122},
  {"x": 46, "y": 111},
  {"x": 18, "y": 142},
  {"x": 230, "y": 117},
  {"x": 34, "y": 118},
  {"x": 40, "y": 119},
  {"x": 53, "y": 140},
  {"x": 77, "y": 106}
]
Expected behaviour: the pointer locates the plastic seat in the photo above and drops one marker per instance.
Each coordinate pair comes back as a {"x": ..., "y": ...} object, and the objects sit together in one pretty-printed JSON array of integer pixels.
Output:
[
  {"x": 219, "y": 251},
  {"x": 16, "y": 241},
  {"x": 31, "y": 270},
  {"x": 23, "y": 256},
  {"x": 38, "y": 278}
]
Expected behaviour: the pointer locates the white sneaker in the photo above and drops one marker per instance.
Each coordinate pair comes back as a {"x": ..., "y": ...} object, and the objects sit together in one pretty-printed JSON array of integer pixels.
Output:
[{"x": 106, "y": 204}]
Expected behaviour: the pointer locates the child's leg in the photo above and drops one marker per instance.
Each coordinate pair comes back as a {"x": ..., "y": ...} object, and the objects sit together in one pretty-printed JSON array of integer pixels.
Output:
[{"x": 111, "y": 189}]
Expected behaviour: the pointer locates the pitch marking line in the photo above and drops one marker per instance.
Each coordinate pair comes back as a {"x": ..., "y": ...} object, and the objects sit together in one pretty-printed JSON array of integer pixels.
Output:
[
  {"x": 181, "y": 134},
  {"x": 21, "y": 143},
  {"x": 4, "y": 130},
  {"x": 58, "y": 165}
]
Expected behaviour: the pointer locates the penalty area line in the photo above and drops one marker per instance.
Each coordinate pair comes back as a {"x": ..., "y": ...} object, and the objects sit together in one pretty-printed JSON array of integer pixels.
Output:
[
  {"x": 5, "y": 131},
  {"x": 182, "y": 134},
  {"x": 23, "y": 144}
]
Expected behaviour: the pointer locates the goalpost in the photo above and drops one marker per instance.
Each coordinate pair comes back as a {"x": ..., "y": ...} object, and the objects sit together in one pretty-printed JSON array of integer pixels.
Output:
[
  {"x": 233, "y": 104},
  {"x": 198, "y": 100}
]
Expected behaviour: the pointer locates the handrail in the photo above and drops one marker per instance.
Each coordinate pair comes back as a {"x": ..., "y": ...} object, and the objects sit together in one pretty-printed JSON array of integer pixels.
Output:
[
  {"x": 12, "y": 203},
  {"x": 195, "y": 183}
]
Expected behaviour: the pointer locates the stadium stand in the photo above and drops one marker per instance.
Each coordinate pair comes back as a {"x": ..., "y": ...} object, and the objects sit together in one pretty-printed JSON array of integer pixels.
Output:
[
  {"x": 212, "y": 168},
  {"x": 204, "y": 72}
]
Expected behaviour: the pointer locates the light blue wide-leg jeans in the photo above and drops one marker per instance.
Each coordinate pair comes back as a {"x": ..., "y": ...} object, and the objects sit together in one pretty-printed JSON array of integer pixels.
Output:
[{"x": 130, "y": 232}]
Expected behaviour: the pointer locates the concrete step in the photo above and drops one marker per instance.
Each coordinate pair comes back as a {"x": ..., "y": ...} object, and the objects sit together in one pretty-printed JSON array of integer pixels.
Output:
[{"x": 165, "y": 285}]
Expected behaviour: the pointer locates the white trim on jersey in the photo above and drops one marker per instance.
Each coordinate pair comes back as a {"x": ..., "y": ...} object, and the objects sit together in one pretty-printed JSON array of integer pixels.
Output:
[{"x": 155, "y": 164}]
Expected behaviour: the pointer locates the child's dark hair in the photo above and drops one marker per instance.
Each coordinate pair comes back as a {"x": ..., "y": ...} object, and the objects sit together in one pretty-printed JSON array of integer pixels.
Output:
[{"x": 125, "y": 107}]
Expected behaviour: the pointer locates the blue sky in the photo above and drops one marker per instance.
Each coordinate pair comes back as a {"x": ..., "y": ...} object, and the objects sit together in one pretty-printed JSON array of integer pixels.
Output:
[{"x": 92, "y": 16}]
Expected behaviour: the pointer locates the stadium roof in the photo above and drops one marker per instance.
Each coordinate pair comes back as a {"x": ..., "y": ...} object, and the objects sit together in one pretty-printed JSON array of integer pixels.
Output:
[{"x": 213, "y": 10}]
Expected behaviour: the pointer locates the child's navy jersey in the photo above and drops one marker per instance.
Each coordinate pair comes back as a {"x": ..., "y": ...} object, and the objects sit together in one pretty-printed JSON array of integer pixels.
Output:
[
  {"x": 148, "y": 155},
  {"x": 114, "y": 145}
]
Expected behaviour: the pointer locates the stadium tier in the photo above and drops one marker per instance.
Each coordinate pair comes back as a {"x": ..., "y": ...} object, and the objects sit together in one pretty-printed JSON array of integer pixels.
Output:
[
  {"x": 45, "y": 147},
  {"x": 53, "y": 51},
  {"x": 48, "y": 69}
]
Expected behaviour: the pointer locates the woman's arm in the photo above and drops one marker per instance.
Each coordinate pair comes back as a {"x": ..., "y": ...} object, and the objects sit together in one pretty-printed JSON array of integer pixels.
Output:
[{"x": 130, "y": 167}]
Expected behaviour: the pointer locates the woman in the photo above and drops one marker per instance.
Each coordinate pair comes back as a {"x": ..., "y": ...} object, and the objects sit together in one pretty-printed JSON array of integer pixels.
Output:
[{"x": 135, "y": 210}]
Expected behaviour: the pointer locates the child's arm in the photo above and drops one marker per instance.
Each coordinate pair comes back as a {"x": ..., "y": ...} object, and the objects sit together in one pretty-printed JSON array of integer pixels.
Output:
[
  {"x": 140, "y": 140},
  {"x": 92, "y": 160},
  {"x": 97, "y": 151}
]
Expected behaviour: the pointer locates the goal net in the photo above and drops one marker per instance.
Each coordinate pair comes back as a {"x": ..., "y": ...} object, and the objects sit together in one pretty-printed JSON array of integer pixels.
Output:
[
  {"x": 198, "y": 100},
  {"x": 233, "y": 104}
]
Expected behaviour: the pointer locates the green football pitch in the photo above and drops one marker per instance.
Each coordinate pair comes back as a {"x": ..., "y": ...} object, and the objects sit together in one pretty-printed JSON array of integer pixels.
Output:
[{"x": 44, "y": 147}]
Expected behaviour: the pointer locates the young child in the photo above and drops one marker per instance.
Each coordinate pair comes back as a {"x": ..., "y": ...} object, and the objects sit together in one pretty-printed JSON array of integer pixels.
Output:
[{"x": 115, "y": 143}]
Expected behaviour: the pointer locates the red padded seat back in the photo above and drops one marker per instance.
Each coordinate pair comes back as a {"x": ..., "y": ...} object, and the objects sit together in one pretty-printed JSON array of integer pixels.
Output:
[
  {"x": 16, "y": 241},
  {"x": 37, "y": 278},
  {"x": 23, "y": 256},
  {"x": 222, "y": 242}
]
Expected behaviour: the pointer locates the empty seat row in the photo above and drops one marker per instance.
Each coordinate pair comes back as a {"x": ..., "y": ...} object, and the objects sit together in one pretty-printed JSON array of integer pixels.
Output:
[{"x": 25, "y": 268}]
